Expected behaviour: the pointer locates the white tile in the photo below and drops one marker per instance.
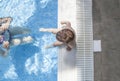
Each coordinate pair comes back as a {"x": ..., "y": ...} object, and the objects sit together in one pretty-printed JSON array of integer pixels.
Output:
[{"x": 97, "y": 46}]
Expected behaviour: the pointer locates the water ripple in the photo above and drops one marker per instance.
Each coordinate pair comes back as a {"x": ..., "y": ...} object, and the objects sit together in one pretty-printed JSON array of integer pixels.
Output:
[
  {"x": 43, "y": 3},
  {"x": 42, "y": 62},
  {"x": 20, "y": 10}
]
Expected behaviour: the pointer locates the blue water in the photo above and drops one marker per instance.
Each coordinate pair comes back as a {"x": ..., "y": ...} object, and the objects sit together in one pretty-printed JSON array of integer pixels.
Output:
[{"x": 31, "y": 62}]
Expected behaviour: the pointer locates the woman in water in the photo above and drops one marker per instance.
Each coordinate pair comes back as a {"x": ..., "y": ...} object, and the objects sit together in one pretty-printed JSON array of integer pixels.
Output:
[
  {"x": 64, "y": 35},
  {"x": 8, "y": 36}
]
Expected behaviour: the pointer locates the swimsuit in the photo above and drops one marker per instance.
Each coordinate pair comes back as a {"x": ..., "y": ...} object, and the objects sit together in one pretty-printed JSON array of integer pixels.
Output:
[
  {"x": 2, "y": 39},
  {"x": 6, "y": 36}
]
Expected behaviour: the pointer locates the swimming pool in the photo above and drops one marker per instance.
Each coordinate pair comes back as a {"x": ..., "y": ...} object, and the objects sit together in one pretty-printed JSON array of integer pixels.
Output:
[{"x": 31, "y": 62}]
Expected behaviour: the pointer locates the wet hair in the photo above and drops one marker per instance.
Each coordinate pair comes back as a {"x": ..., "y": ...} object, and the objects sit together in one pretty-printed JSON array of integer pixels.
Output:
[{"x": 65, "y": 35}]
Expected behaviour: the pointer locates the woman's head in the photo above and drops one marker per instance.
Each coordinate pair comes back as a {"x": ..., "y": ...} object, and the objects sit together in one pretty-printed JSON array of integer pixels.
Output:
[{"x": 65, "y": 36}]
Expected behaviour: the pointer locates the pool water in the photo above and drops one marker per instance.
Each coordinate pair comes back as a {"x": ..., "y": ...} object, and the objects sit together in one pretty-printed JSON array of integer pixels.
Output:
[{"x": 31, "y": 62}]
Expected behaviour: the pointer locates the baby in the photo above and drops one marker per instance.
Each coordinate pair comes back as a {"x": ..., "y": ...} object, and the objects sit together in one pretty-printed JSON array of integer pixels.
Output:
[{"x": 64, "y": 35}]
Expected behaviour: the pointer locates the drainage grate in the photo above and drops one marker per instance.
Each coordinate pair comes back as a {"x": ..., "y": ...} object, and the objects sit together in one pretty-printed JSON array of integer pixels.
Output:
[{"x": 84, "y": 56}]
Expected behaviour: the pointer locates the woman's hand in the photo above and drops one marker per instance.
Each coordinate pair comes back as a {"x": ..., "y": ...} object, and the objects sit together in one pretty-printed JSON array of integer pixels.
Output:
[{"x": 5, "y": 44}]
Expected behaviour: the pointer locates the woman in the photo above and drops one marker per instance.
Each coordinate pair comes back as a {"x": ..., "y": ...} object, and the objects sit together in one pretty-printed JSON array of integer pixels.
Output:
[
  {"x": 10, "y": 36},
  {"x": 64, "y": 35}
]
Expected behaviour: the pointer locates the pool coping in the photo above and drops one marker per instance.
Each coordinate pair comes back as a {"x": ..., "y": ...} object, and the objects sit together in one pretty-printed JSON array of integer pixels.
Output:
[{"x": 66, "y": 66}]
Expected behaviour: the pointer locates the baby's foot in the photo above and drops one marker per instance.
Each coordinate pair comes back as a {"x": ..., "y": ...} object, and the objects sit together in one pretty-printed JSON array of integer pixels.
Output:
[
  {"x": 27, "y": 39},
  {"x": 42, "y": 30}
]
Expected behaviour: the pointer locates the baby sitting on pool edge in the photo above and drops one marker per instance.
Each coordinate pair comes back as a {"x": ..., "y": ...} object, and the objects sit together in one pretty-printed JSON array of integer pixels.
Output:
[{"x": 64, "y": 35}]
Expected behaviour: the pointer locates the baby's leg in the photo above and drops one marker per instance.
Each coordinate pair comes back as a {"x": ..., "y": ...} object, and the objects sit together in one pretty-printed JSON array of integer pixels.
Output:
[
  {"x": 51, "y": 30},
  {"x": 57, "y": 43}
]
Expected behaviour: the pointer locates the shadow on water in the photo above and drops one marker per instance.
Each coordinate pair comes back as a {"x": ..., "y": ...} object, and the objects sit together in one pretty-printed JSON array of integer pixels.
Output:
[{"x": 19, "y": 56}]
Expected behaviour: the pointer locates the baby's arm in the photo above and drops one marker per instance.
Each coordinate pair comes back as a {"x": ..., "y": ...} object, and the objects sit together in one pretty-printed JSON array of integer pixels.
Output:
[
  {"x": 51, "y": 30},
  {"x": 67, "y": 23},
  {"x": 55, "y": 30}
]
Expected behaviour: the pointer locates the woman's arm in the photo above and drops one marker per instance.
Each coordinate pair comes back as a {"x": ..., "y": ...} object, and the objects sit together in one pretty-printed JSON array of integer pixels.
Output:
[
  {"x": 6, "y": 19},
  {"x": 4, "y": 23}
]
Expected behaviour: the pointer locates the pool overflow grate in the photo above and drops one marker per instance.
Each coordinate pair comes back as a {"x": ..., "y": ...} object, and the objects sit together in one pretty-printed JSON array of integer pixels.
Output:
[{"x": 84, "y": 56}]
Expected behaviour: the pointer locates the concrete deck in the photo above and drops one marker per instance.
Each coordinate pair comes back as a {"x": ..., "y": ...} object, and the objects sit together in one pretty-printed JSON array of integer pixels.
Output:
[{"x": 106, "y": 26}]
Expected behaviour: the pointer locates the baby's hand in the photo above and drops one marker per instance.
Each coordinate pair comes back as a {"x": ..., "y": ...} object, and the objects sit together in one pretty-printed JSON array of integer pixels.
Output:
[
  {"x": 5, "y": 44},
  {"x": 42, "y": 30}
]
